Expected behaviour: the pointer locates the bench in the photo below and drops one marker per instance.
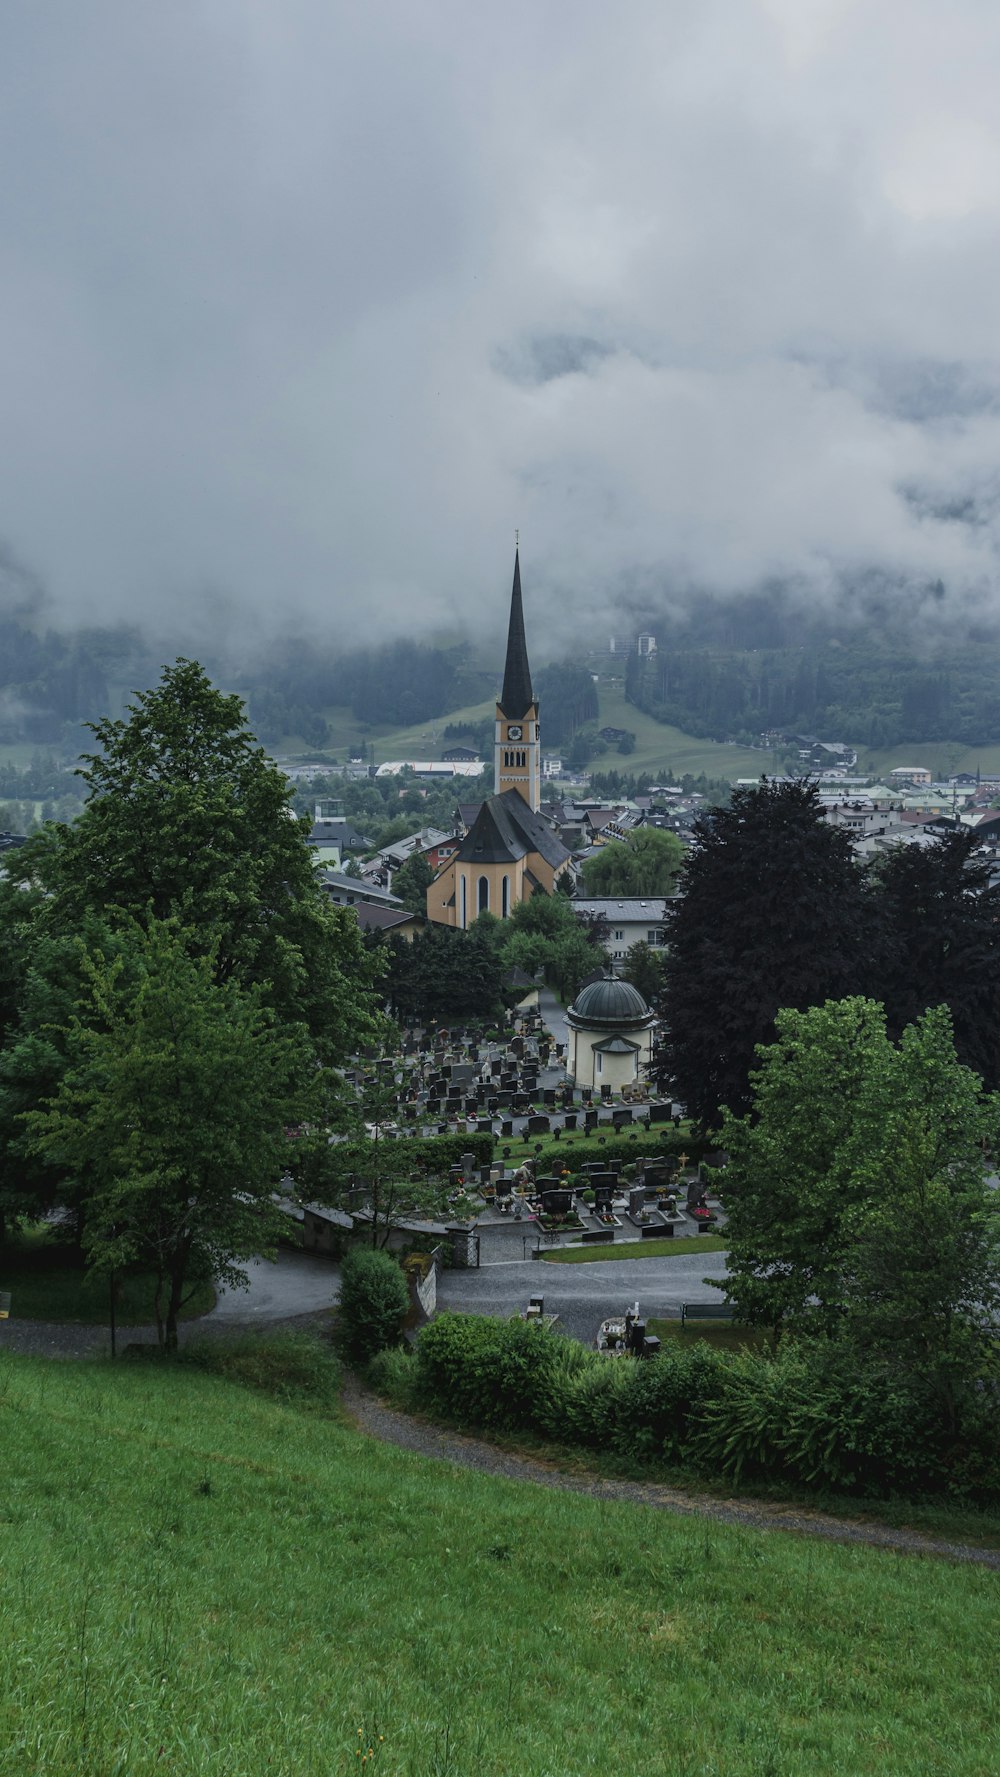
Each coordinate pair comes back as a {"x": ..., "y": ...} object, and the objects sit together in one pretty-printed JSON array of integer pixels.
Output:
[{"x": 706, "y": 1311}]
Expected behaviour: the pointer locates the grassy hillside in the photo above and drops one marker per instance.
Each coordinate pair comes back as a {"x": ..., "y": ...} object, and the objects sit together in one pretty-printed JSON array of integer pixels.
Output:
[
  {"x": 941, "y": 757},
  {"x": 202, "y": 1581},
  {"x": 658, "y": 746}
]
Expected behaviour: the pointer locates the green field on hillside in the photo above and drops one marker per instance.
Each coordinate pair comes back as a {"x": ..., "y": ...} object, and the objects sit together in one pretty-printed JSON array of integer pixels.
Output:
[
  {"x": 201, "y": 1580},
  {"x": 658, "y": 746},
  {"x": 942, "y": 757}
]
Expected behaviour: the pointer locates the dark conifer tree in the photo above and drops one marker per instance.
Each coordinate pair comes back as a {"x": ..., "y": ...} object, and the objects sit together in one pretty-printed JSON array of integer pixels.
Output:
[
  {"x": 773, "y": 913},
  {"x": 941, "y": 921}
]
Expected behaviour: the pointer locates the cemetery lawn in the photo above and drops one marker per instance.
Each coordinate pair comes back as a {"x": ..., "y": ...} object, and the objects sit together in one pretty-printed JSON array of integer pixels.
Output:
[
  {"x": 46, "y": 1283},
  {"x": 638, "y": 1249},
  {"x": 723, "y": 1334},
  {"x": 205, "y": 1580}
]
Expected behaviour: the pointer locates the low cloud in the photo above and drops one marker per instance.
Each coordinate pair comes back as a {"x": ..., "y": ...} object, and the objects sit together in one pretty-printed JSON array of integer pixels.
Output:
[{"x": 306, "y": 308}]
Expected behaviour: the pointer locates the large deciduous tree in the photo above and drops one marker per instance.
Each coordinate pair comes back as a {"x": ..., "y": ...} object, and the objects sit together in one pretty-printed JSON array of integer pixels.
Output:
[
  {"x": 173, "y": 1106},
  {"x": 187, "y": 818},
  {"x": 856, "y": 1192},
  {"x": 773, "y": 913},
  {"x": 647, "y": 862}
]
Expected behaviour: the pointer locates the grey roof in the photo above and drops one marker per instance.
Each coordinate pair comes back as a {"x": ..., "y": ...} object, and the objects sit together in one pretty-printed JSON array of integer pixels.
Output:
[
  {"x": 506, "y": 828},
  {"x": 615, "y": 1046},
  {"x": 609, "y": 1002},
  {"x": 516, "y": 697},
  {"x": 376, "y": 918},
  {"x": 629, "y": 911}
]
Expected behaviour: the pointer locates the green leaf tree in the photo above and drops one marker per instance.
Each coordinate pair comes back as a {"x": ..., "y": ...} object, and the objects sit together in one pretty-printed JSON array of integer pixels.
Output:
[
  {"x": 187, "y": 818},
  {"x": 857, "y": 1195},
  {"x": 411, "y": 882},
  {"x": 643, "y": 967},
  {"x": 647, "y": 862},
  {"x": 174, "y": 1106}
]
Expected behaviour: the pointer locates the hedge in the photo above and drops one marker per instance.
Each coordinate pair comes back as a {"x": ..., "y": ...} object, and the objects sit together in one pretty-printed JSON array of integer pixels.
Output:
[
  {"x": 433, "y": 1154},
  {"x": 812, "y": 1414},
  {"x": 573, "y": 1150}
]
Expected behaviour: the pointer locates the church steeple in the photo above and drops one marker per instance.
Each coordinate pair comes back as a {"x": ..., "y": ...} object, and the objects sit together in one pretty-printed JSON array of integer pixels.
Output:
[
  {"x": 517, "y": 750},
  {"x": 516, "y": 698}
]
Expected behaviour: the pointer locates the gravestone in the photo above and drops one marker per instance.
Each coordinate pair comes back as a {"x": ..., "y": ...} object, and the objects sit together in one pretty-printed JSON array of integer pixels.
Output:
[
  {"x": 538, "y": 1125},
  {"x": 621, "y": 1117},
  {"x": 590, "y": 1120},
  {"x": 556, "y": 1199}
]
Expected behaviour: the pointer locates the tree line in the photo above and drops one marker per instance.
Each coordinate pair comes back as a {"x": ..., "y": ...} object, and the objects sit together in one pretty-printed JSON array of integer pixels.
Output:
[{"x": 853, "y": 691}]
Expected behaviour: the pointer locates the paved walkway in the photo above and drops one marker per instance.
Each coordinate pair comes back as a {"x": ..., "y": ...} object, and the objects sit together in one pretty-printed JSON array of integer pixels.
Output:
[
  {"x": 296, "y": 1286},
  {"x": 553, "y": 1015}
]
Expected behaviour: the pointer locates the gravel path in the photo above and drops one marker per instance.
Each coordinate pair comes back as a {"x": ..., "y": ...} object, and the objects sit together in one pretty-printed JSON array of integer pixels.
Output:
[{"x": 372, "y": 1417}]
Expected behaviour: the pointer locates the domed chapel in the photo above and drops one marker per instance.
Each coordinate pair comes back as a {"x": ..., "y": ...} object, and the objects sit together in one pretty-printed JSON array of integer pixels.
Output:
[
  {"x": 510, "y": 850},
  {"x": 610, "y": 1035}
]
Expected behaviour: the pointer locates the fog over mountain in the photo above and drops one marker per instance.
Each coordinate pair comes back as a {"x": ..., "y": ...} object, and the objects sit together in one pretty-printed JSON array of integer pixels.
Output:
[{"x": 306, "y": 306}]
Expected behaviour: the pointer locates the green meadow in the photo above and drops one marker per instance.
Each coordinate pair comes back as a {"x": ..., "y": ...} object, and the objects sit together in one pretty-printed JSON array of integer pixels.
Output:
[{"x": 203, "y": 1578}]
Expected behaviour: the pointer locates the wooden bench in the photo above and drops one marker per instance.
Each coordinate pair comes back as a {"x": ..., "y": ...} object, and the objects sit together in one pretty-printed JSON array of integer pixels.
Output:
[{"x": 705, "y": 1311}]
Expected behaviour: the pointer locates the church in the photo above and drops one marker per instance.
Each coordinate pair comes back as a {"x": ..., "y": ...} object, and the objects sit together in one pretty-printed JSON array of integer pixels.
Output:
[{"x": 510, "y": 851}]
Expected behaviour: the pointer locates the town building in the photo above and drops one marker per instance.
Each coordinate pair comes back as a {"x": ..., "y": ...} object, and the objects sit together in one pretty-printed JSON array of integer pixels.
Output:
[{"x": 630, "y": 921}]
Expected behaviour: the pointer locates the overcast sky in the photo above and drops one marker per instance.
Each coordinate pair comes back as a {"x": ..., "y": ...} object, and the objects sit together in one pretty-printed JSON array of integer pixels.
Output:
[{"x": 306, "y": 305}]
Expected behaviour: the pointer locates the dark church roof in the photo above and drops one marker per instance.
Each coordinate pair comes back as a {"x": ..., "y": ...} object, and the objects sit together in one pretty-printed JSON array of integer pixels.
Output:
[
  {"x": 516, "y": 697},
  {"x": 506, "y": 828}
]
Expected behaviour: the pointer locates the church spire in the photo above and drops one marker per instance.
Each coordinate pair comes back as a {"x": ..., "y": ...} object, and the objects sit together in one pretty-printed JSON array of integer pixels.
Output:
[{"x": 516, "y": 697}]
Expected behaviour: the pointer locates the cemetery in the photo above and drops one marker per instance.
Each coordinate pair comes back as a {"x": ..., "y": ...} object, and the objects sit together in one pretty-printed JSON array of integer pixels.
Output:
[{"x": 490, "y": 1142}]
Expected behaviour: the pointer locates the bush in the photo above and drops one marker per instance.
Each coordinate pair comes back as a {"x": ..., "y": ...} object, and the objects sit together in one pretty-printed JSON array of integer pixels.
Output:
[
  {"x": 488, "y": 1372},
  {"x": 374, "y": 1302},
  {"x": 664, "y": 1399},
  {"x": 393, "y": 1373},
  {"x": 814, "y": 1414}
]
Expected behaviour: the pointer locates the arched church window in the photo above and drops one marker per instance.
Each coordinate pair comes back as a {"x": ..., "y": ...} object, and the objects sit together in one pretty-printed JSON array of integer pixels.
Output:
[
  {"x": 461, "y": 900},
  {"x": 484, "y": 895},
  {"x": 505, "y": 897}
]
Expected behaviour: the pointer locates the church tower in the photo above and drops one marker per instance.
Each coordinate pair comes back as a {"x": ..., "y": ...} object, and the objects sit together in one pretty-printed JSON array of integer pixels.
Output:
[{"x": 517, "y": 752}]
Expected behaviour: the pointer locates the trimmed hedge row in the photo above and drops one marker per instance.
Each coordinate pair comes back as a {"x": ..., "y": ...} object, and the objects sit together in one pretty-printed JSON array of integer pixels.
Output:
[
  {"x": 429, "y": 1153},
  {"x": 572, "y": 1150},
  {"x": 810, "y": 1414}
]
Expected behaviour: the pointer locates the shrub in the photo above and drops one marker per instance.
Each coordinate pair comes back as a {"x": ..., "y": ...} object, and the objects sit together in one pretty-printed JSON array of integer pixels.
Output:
[
  {"x": 393, "y": 1373},
  {"x": 586, "y": 1410},
  {"x": 374, "y": 1301},
  {"x": 664, "y": 1399},
  {"x": 489, "y": 1372},
  {"x": 812, "y": 1413}
]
